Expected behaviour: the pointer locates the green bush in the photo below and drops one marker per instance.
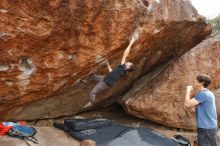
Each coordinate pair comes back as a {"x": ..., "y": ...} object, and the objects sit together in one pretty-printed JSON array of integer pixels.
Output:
[{"x": 215, "y": 23}]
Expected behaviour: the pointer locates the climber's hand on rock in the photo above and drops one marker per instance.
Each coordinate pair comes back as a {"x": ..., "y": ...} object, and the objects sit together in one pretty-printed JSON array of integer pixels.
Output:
[{"x": 132, "y": 40}]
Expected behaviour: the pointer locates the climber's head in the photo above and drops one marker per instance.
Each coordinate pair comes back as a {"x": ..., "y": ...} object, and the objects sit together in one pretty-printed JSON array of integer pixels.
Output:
[{"x": 129, "y": 66}]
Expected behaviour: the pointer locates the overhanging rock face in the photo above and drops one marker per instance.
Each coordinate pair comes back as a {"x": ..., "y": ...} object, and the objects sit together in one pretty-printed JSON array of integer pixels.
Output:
[
  {"x": 48, "y": 49},
  {"x": 162, "y": 99}
]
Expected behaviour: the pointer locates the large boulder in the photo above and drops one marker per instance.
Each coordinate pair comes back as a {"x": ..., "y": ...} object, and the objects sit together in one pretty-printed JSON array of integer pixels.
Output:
[
  {"x": 49, "y": 48},
  {"x": 161, "y": 98}
]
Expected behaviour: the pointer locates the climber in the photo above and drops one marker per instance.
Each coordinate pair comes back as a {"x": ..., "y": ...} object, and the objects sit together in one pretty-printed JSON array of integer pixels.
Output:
[{"x": 104, "y": 81}]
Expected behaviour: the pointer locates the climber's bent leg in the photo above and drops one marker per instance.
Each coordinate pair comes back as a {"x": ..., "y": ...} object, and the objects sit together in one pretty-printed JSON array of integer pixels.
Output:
[{"x": 99, "y": 87}]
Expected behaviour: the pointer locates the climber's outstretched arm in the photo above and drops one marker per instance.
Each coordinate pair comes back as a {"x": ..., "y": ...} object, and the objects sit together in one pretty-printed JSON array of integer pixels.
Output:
[{"x": 127, "y": 51}]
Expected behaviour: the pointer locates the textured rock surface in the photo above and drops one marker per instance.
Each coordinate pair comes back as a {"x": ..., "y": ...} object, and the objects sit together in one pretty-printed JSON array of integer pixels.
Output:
[
  {"x": 49, "y": 48},
  {"x": 162, "y": 99},
  {"x": 46, "y": 136}
]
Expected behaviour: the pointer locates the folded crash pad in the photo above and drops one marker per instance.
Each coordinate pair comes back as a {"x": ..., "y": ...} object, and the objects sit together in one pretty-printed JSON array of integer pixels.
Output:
[{"x": 83, "y": 124}]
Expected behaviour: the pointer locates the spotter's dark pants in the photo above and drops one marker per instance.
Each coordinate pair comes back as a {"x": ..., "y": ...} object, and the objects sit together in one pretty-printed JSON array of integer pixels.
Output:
[{"x": 207, "y": 137}]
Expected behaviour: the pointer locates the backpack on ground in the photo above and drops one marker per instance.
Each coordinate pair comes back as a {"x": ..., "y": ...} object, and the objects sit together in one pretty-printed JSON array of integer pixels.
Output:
[
  {"x": 181, "y": 140},
  {"x": 24, "y": 132}
]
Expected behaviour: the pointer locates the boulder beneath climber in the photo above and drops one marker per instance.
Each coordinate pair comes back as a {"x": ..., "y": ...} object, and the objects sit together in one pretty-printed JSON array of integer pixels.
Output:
[
  {"x": 159, "y": 96},
  {"x": 50, "y": 48}
]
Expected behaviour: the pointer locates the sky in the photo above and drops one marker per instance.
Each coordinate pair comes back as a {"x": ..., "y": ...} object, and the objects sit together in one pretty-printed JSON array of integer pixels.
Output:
[{"x": 207, "y": 8}]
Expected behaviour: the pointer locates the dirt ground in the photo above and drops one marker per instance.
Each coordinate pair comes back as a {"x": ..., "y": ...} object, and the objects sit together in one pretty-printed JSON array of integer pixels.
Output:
[
  {"x": 50, "y": 136},
  {"x": 46, "y": 136}
]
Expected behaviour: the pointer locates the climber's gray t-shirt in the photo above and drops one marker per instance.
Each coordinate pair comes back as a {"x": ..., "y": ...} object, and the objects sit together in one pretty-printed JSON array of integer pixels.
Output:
[{"x": 206, "y": 110}]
